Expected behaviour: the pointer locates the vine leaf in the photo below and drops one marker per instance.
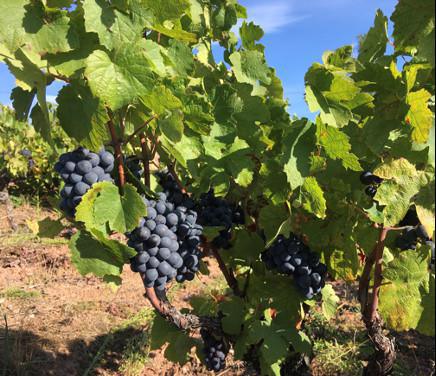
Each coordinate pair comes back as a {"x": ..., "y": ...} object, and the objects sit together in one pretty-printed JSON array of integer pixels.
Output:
[
  {"x": 329, "y": 302},
  {"x": 373, "y": 44},
  {"x": 250, "y": 67},
  {"x": 77, "y": 104},
  {"x": 420, "y": 116},
  {"x": 179, "y": 342},
  {"x": 407, "y": 296},
  {"x": 313, "y": 199},
  {"x": 337, "y": 146},
  {"x": 234, "y": 314},
  {"x": 103, "y": 206},
  {"x": 425, "y": 206},
  {"x": 413, "y": 20},
  {"x": 298, "y": 146},
  {"x": 114, "y": 28},
  {"x": 250, "y": 34},
  {"x": 95, "y": 254},
  {"x": 22, "y": 101},
  {"x": 402, "y": 183},
  {"x": 54, "y": 36},
  {"x": 247, "y": 248},
  {"x": 12, "y": 14},
  {"x": 122, "y": 77},
  {"x": 47, "y": 228},
  {"x": 271, "y": 218}
]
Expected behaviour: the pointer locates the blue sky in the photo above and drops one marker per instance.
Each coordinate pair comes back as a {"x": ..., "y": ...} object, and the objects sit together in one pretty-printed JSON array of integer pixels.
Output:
[{"x": 297, "y": 34}]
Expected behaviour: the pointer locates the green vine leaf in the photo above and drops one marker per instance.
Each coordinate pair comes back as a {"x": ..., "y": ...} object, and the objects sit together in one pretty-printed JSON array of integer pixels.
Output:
[
  {"x": 103, "y": 206},
  {"x": 312, "y": 197},
  {"x": 97, "y": 255}
]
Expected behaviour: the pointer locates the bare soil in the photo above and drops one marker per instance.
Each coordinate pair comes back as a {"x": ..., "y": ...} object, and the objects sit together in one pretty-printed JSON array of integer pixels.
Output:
[{"x": 54, "y": 321}]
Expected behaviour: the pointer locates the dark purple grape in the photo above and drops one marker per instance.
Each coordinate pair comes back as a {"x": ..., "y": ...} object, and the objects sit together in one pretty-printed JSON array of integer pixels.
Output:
[
  {"x": 69, "y": 167},
  {"x": 164, "y": 254},
  {"x": 81, "y": 188},
  {"x": 83, "y": 167},
  {"x": 90, "y": 178},
  {"x": 153, "y": 263},
  {"x": 106, "y": 158},
  {"x": 143, "y": 233},
  {"x": 94, "y": 159},
  {"x": 151, "y": 275}
]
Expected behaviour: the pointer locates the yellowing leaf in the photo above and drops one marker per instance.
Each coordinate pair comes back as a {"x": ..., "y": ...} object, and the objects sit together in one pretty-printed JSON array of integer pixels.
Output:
[{"x": 420, "y": 116}]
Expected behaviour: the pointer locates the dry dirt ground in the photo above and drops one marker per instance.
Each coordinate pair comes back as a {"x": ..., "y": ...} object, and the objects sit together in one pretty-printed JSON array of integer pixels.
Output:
[{"x": 55, "y": 322}]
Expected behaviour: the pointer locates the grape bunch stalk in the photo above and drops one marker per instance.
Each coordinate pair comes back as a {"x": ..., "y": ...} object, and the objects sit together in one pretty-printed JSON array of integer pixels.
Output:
[
  {"x": 292, "y": 257},
  {"x": 80, "y": 170},
  {"x": 371, "y": 181},
  {"x": 167, "y": 242},
  {"x": 214, "y": 211},
  {"x": 215, "y": 351}
]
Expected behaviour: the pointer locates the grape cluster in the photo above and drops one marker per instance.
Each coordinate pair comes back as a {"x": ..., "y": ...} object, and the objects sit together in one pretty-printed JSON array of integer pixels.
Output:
[
  {"x": 80, "y": 170},
  {"x": 414, "y": 232},
  {"x": 215, "y": 352},
  {"x": 372, "y": 182},
  {"x": 167, "y": 244},
  {"x": 134, "y": 166},
  {"x": 173, "y": 191},
  {"x": 410, "y": 237},
  {"x": 292, "y": 257},
  {"x": 214, "y": 211}
]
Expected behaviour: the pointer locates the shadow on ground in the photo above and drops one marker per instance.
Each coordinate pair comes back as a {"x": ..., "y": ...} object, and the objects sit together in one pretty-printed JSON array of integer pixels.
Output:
[{"x": 22, "y": 353}]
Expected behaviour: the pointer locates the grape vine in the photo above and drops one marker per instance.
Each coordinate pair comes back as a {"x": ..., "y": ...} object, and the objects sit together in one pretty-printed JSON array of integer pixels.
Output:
[{"x": 238, "y": 179}]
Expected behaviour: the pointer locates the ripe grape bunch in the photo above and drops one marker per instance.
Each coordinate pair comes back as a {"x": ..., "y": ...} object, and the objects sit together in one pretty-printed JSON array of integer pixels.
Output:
[
  {"x": 292, "y": 257},
  {"x": 167, "y": 242},
  {"x": 173, "y": 191},
  {"x": 215, "y": 352},
  {"x": 214, "y": 211},
  {"x": 80, "y": 170},
  {"x": 134, "y": 166},
  {"x": 411, "y": 236},
  {"x": 372, "y": 182}
]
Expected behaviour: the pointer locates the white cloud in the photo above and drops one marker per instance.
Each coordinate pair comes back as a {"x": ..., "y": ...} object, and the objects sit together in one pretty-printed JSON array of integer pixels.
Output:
[{"x": 274, "y": 15}]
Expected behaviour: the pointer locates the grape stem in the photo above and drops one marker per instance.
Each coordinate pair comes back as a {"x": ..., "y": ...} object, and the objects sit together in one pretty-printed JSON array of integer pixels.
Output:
[
  {"x": 228, "y": 273},
  {"x": 172, "y": 170},
  {"x": 140, "y": 129},
  {"x": 118, "y": 151},
  {"x": 382, "y": 362},
  {"x": 146, "y": 158},
  {"x": 247, "y": 281},
  {"x": 184, "y": 322}
]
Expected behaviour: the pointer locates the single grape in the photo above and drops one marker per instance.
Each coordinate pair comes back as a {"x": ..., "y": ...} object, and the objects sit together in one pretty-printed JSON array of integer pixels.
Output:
[
  {"x": 83, "y": 167},
  {"x": 106, "y": 158},
  {"x": 90, "y": 178},
  {"x": 81, "y": 188}
]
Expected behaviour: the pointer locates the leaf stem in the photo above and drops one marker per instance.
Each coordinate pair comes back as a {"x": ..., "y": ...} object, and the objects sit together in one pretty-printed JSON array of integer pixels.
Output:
[
  {"x": 118, "y": 152},
  {"x": 146, "y": 159},
  {"x": 173, "y": 172},
  {"x": 140, "y": 129},
  {"x": 228, "y": 273}
]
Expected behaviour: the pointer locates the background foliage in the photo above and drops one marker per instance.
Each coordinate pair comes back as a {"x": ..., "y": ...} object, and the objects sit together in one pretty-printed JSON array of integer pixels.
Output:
[{"x": 26, "y": 159}]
